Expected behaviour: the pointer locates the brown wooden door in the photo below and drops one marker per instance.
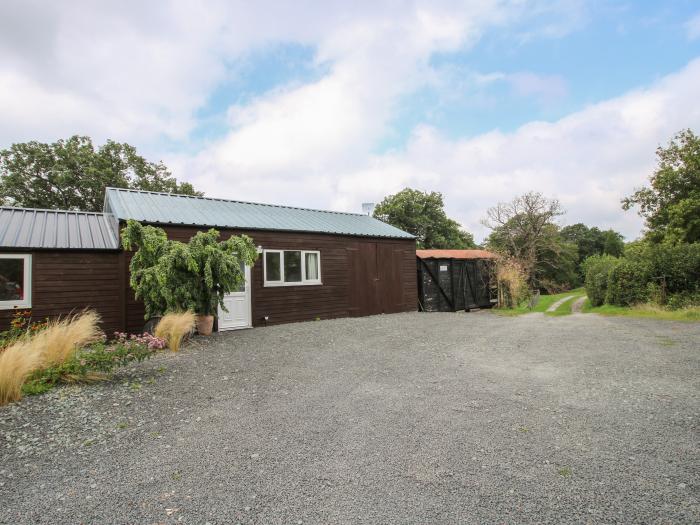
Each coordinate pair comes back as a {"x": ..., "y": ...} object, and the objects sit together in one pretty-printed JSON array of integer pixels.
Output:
[
  {"x": 390, "y": 289},
  {"x": 375, "y": 278},
  {"x": 362, "y": 260}
]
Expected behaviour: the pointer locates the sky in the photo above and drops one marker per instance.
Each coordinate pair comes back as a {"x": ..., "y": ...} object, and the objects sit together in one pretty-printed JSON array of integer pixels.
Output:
[{"x": 331, "y": 104}]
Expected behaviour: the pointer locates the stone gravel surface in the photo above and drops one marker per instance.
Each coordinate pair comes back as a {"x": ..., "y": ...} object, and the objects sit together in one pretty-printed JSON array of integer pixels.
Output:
[{"x": 406, "y": 418}]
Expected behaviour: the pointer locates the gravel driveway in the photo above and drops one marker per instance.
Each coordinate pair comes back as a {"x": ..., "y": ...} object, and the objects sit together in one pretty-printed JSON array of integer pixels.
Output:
[{"x": 407, "y": 418}]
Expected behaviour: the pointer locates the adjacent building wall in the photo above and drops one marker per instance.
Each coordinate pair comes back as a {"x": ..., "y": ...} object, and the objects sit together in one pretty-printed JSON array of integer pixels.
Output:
[
  {"x": 67, "y": 281},
  {"x": 361, "y": 276}
]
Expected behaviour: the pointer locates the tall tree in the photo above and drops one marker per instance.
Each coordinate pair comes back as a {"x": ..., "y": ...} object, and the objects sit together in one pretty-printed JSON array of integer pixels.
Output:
[
  {"x": 423, "y": 215},
  {"x": 593, "y": 241},
  {"x": 71, "y": 174},
  {"x": 524, "y": 228},
  {"x": 671, "y": 204}
]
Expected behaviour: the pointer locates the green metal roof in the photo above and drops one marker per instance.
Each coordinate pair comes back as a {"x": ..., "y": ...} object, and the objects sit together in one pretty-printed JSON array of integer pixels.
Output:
[
  {"x": 56, "y": 229},
  {"x": 167, "y": 208}
]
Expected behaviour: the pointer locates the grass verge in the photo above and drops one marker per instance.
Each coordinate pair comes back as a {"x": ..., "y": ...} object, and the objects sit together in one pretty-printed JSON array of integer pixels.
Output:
[{"x": 645, "y": 311}]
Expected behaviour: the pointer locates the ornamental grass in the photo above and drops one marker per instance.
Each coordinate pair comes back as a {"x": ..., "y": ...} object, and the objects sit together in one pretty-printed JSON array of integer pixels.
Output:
[
  {"x": 51, "y": 346},
  {"x": 173, "y": 327}
]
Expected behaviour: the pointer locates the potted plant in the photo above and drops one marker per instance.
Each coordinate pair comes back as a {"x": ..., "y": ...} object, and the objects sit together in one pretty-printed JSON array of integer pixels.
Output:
[{"x": 175, "y": 276}]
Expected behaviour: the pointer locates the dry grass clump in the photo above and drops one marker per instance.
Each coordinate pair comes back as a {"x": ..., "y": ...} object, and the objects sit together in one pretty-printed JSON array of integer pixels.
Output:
[
  {"x": 17, "y": 361},
  {"x": 174, "y": 327},
  {"x": 51, "y": 346},
  {"x": 59, "y": 341},
  {"x": 511, "y": 282}
]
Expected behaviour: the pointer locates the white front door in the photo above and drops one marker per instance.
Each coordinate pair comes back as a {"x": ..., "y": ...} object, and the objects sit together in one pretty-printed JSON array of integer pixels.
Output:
[{"x": 238, "y": 306}]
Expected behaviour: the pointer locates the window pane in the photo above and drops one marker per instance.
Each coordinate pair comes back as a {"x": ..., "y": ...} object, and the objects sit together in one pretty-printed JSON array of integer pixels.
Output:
[
  {"x": 11, "y": 279},
  {"x": 311, "y": 266},
  {"x": 272, "y": 266},
  {"x": 241, "y": 287},
  {"x": 292, "y": 267}
]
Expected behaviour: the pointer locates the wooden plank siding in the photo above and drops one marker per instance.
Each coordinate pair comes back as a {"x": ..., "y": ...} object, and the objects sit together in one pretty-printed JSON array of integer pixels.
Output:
[
  {"x": 361, "y": 276},
  {"x": 351, "y": 285},
  {"x": 66, "y": 282}
]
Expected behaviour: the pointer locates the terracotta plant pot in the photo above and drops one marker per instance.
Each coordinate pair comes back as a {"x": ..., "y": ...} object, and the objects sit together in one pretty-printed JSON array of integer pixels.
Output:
[{"x": 205, "y": 324}]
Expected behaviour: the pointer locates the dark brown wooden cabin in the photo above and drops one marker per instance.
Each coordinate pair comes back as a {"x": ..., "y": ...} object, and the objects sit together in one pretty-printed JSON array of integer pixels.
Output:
[
  {"x": 313, "y": 264},
  {"x": 55, "y": 263}
]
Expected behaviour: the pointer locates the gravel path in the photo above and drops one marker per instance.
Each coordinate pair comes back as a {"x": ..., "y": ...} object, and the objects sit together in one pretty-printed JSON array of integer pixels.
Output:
[
  {"x": 407, "y": 418},
  {"x": 558, "y": 303}
]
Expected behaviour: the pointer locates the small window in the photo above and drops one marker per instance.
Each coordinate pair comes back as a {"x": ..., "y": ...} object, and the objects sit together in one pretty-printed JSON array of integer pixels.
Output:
[
  {"x": 292, "y": 267},
  {"x": 311, "y": 264},
  {"x": 273, "y": 273},
  {"x": 15, "y": 281},
  {"x": 241, "y": 287}
]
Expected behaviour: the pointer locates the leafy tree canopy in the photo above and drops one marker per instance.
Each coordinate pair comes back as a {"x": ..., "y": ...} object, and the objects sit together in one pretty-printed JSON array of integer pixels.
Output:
[
  {"x": 171, "y": 276},
  {"x": 671, "y": 203},
  {"x": 71, "y": 175},
  {"x": 593, "y": 241},
  {"x": 423, "y": 215},
  {"x": 524, "y": 229}
]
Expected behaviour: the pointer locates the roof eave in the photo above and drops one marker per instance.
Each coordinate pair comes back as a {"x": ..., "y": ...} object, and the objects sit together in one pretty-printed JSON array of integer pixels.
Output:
[{"x": 409, "y": 237}]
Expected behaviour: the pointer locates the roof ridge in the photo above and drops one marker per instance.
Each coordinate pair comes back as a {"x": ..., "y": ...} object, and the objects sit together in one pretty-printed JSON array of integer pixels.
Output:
[
  {"x": 21, "y": 208},
  {"x": 201, "y": 197}
]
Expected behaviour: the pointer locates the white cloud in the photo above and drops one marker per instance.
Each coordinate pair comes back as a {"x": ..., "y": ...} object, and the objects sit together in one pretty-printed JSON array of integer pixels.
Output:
[
  {"x": 589, "y": 159},
  {"x": 692, "y": 27},
  {"x": 138, "y": 72}
]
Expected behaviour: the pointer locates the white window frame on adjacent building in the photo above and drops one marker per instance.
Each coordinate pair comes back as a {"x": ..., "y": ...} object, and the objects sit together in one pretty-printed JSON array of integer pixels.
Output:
[
  {"x": 26, "y": 302},
  {"x": 304, "y": 281}
]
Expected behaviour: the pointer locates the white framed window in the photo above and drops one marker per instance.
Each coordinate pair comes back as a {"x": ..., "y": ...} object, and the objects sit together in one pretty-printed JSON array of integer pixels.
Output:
[
  {"x": 291, "y": 267},
  {"x": 15, "y": 281}
]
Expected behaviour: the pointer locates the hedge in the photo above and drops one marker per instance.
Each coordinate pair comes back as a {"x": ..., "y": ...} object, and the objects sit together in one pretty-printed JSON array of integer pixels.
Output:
[{"x": 596, "y": 270}]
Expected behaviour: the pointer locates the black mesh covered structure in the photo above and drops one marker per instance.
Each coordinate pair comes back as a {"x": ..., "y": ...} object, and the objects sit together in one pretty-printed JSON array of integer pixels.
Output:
[{"x": 452, "y": 284}]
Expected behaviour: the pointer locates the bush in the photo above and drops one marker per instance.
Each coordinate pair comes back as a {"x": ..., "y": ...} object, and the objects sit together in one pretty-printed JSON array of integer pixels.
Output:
[
  {"x": 20, "y": 326},
  {"x": 41, "y": 346},
  {"x": 672, "y": 271},
  {"x": 61, "y": 338},
  {"x": 596, "y": 269},
  {"x": 174, "y": 327},
  {"x": 679, "y": 265},
  {"x": 680, "y": 301},
  {"x": 627, "y": 283},
  {"x": 17, "y": 362},
  {"x": 95, "y": 361},
  {"x": 174, "y": 276},
  {"x": 41, "y": 355},
  {"x": 511, "y": 283}
]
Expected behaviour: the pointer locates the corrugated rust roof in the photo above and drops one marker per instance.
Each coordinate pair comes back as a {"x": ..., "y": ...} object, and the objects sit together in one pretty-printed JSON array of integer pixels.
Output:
[
  {"x": 56, "y": 229},
  {"x": 166, "y": 208},
  {"x": 455, "y": 254}
]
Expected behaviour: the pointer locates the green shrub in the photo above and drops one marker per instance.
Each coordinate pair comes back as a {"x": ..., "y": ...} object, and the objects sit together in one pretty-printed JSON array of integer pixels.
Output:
[
  {"x": 676, "y": 265},
  {"x": 679, "y": 265},
  {"x": 596, "y": 270},
  {"x": 21, "y": 326},
  {"x": 683, "y": 300},
  {"x": 171, "y": 276},
  {"x": 94, "y": 361},
  {"x": 627, "y": 283}
]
